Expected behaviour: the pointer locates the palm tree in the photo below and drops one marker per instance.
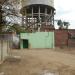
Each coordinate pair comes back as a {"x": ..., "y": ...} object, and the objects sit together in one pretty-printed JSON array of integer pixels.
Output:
[
  {"x": 66, "y": 24},
  {"x": 60, "y": 24},
  {"x": 63, "y": 24}
]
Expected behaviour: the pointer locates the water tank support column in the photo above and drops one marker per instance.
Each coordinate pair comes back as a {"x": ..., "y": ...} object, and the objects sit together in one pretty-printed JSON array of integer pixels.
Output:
[
  {"x": 32, "y": 14},
  {"x": 51, "y": 17},
  {"x": 39, "y": 14},
  {"x": 46, "y": 15},
  {"x": 26, "y": 16}
]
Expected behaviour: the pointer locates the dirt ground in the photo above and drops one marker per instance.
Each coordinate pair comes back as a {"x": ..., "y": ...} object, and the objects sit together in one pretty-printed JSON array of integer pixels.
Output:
[{"x": 37, "y": 61}]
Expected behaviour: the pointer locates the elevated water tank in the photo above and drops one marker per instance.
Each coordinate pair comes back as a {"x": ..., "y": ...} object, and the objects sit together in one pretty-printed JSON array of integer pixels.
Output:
[
  {"x": 38, "y": 14},
  {"x": 43, "y": 2}
]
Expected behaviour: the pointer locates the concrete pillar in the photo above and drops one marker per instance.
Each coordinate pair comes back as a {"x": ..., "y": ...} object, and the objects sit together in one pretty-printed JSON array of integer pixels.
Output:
[
  {"x": 46, "y": 15},
  {"x": 39, "y": 14}
]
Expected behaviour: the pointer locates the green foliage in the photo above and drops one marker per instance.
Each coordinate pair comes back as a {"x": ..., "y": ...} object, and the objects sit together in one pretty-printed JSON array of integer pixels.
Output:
[
  {"x": 63, "y": 24},
  {"x": 17, "y": 28},
  {"x": 66, "y": 23},
  {"x": 1, "y": 27},
  {"x": 11, "y": 12},
  {"x": 60, "y": 23}
]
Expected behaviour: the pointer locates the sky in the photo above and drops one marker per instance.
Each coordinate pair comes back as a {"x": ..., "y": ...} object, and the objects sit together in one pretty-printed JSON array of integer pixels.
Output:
[{"x": 65, "y": 10}]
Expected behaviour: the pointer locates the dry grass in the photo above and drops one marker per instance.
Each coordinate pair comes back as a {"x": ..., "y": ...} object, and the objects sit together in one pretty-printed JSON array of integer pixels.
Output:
[{"x": 34, "y": 62}]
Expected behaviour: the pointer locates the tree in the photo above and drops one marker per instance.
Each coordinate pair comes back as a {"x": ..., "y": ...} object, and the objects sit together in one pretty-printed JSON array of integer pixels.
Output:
[
  {"x": 63, "y": 24},
  {"x": 1, "y": 20},
  {"x": 60, "y": 24},
  {"x": 10, "y": 16},
  {"x": 0, "y": 14},
  {"x": 66, "y": 24},
  {"x": 1, "y": 11},
  {"x": 16, "y": 28}
]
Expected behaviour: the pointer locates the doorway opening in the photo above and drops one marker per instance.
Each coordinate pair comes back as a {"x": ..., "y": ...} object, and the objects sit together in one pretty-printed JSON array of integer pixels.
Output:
[{"x": 25, "y": 43}]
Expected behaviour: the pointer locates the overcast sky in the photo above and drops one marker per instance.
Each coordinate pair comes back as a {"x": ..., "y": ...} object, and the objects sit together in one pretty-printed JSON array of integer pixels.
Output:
[{"x": 65, "y": 10}]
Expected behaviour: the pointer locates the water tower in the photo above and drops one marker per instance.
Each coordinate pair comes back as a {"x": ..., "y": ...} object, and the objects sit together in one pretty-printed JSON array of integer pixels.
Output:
[{"x": 38, "y": 15}]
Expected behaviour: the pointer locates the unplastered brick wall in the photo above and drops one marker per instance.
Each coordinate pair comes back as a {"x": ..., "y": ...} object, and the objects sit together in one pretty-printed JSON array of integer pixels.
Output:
[
  {"x": 71, "y": 39},
  {"x": 63, "y": 38}
]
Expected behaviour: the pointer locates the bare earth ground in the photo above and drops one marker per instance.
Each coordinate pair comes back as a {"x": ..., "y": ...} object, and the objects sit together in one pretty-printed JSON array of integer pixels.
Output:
[{"x": 34, "y": 62}]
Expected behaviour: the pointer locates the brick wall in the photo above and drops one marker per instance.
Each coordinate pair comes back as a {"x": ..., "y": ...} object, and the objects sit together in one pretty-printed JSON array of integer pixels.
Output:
[
  {"x": 71, "y": 39},
  {"x": 63, "y": 38}
]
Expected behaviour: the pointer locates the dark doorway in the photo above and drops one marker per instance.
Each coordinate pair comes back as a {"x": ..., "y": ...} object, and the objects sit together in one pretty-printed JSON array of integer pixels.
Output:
[{"x": 25, "y": 43}]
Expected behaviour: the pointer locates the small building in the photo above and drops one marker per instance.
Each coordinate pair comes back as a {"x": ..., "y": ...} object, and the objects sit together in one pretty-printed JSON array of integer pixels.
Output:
[{"x": 37, "y": 40}]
